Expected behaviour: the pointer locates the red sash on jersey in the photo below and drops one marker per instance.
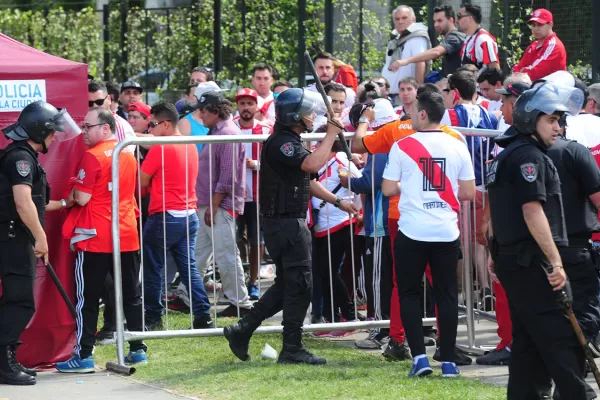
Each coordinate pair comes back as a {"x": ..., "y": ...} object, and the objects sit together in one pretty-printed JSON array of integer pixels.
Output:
[
  {"x": 265, "y": 108},
  {"x": 453, "y": 117},
  {"x": 485, "y": 104}
]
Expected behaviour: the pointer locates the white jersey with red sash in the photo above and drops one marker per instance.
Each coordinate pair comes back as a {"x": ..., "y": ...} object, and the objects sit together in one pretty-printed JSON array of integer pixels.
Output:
[
  {"x": 253, "y": 153},
  {"x": 428, "y": 165}
]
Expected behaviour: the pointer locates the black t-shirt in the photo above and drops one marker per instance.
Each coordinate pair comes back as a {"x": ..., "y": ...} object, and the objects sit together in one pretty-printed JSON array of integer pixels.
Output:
[
  {"x": 453, "y": 43},
  {"x": 580, "y": 178},
  {"x": 522, "y": 173}
]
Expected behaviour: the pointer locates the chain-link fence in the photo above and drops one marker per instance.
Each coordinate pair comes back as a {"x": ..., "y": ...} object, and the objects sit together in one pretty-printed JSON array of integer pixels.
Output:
[{"x": 159, "y": 46}]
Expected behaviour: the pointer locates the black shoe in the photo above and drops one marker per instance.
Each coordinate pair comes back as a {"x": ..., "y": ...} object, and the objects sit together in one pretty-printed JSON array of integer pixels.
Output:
[
  {"x": 231, "y": 312},
  {"x": 28, "y": 371},
  {"x": 299, "y": 355},
  {"x": 460, "y": 358},
  {"x": 594, "y": 346},
  {"x": 203, "y": 322},
  {"x": 317, "y": 319},
  {"x": 590, "y": 393},
  {"x": 154, "y": 325},
  {"x": 106, "y": 337},
  {"x": 429, "y": 337},
  {"x": 10, "y": 373},
  {"x": 495, "y": 357},
  {"x": 395, "y": 351},
  {"x": 238, "y": 339}
]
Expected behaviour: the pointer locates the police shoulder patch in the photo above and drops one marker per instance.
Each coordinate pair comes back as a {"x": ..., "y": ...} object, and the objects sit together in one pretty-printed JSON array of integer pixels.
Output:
[
  {"x": 529, "y": 171},
  {"x": 287, "y": 149},
  {"x": 23, "y": 167}
]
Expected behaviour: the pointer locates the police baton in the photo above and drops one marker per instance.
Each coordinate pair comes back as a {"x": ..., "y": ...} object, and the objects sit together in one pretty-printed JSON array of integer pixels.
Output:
[
  {"x": 56, "y": 281},
  {"x": 564, "y": 301},
  {"x": 321, "y": 90}
]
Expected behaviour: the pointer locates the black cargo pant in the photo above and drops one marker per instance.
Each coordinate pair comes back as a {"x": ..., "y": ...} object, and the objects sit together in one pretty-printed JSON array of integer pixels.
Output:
[
  {"x": 288, "y": 241},
  {"x": 544, "y": 345},
  {"x": 17, "y": 272},
  {"x": 585, "y": 285}
]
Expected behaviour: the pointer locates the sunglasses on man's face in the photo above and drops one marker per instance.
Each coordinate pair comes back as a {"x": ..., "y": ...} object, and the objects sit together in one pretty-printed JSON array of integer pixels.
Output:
[
  {"x": 152, "y": 125},
  {"x": 98, "y": 102},
  {"x": 461, "y": 16}
]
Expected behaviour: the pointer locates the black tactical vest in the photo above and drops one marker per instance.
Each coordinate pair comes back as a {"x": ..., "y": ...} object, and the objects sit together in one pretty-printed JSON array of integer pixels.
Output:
[
  {"x": 40, "y": 192},
  {"x": 506, "y": 211},
  {"x": 580, "y": 214},
  {"x": 284, "y": 193}
]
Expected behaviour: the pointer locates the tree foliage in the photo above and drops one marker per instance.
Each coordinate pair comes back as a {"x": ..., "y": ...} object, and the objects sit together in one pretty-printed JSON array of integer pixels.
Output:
[{"x": 252, "y": 31}]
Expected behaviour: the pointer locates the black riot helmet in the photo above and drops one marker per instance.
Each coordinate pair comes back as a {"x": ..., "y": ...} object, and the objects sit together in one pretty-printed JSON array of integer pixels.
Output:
[
  {"x": 294, "y": 104},
  {"x": 39, "y": 120},
  {"x": 548, "y": 98}
]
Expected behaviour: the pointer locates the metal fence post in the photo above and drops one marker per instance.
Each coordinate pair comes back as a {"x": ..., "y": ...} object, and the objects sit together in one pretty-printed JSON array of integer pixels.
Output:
[
  {"x": 301, "y": 43},
  {"x": 361, "y": 39},
  {"x": 432, "y": 33},
  {"x": 329, "y": 26},
  {"x": 123, "y": 41},
  {"x": 218, "y": 41},
  {"x": 595, "y": 43},
  {"x": 106, "y": 40}
]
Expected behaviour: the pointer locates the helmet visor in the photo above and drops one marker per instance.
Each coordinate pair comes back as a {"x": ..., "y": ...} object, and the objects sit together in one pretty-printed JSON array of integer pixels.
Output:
[
  {"x": 312, "y": 105},
  {"x": 553, "y": 97},
  {"x": 64, "y": 126}
]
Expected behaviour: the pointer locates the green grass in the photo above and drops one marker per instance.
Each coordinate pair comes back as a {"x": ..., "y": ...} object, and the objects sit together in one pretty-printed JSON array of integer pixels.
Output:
[{"x": 206, "y": 368}]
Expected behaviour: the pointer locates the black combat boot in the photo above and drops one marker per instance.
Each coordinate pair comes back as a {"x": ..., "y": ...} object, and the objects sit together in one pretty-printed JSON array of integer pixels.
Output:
[
  {"x": 238, "y": 335},
  {"x": 10, "y": 374},
  {"x": 28, "y": 371},
  {"x": 293, "y": 352}
]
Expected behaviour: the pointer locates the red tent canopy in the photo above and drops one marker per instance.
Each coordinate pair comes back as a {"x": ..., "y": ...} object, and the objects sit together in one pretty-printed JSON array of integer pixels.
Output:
[{"x": 50, "y": 335}]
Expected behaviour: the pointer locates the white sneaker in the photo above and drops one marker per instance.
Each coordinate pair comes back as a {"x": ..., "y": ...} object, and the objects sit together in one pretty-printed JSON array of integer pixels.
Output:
[{"x": 210, "y": 286}]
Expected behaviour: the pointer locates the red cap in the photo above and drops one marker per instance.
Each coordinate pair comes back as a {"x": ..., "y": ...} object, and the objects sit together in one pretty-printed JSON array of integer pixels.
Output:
[
  {"x": 140, "y": 107},
  {"x": 541, "y": 16},
  {"x": 245, "y": 92}
]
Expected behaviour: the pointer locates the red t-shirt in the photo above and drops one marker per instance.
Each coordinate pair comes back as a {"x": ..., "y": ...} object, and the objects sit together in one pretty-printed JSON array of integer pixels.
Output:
[
  {"x": 175, "y": 165},
  {"x": 94, "y": 177}
]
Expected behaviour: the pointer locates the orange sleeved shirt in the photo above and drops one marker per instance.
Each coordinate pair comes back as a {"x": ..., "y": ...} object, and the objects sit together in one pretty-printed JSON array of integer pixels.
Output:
[{"x": 382, "y": 140}]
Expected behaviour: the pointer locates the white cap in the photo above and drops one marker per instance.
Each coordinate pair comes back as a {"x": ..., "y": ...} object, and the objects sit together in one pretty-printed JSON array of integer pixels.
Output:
[
  {"x": 384, "y": 113},
  {"x": 205, "y": 87}
]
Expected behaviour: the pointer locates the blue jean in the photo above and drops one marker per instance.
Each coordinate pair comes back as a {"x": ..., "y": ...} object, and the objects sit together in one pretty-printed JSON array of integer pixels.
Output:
[{"x": 154, "y": 263}]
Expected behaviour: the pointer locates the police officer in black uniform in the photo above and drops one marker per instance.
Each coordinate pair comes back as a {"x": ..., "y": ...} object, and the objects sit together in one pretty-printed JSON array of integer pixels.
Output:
[
  {"x": 24, "y": 198},
  {"x": 580, "y": 186},
  {"x": 529, "y": 224},
  {"x": 285, "y": 189}
]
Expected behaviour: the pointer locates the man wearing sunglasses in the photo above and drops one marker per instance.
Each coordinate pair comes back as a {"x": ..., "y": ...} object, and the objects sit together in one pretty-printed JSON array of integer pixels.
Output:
[
  {"x": 480, "y": 47},
  {"x": 99, "y": 97},
  {"x": 90, "y": 231}
]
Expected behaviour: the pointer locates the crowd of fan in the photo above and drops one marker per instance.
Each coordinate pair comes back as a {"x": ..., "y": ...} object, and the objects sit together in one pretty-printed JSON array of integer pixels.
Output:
[{"x": 209, "y": 201}]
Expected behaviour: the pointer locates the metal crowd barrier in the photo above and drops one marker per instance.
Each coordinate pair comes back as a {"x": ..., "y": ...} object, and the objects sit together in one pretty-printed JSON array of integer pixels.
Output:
[{"x": 122, "y": 336}]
